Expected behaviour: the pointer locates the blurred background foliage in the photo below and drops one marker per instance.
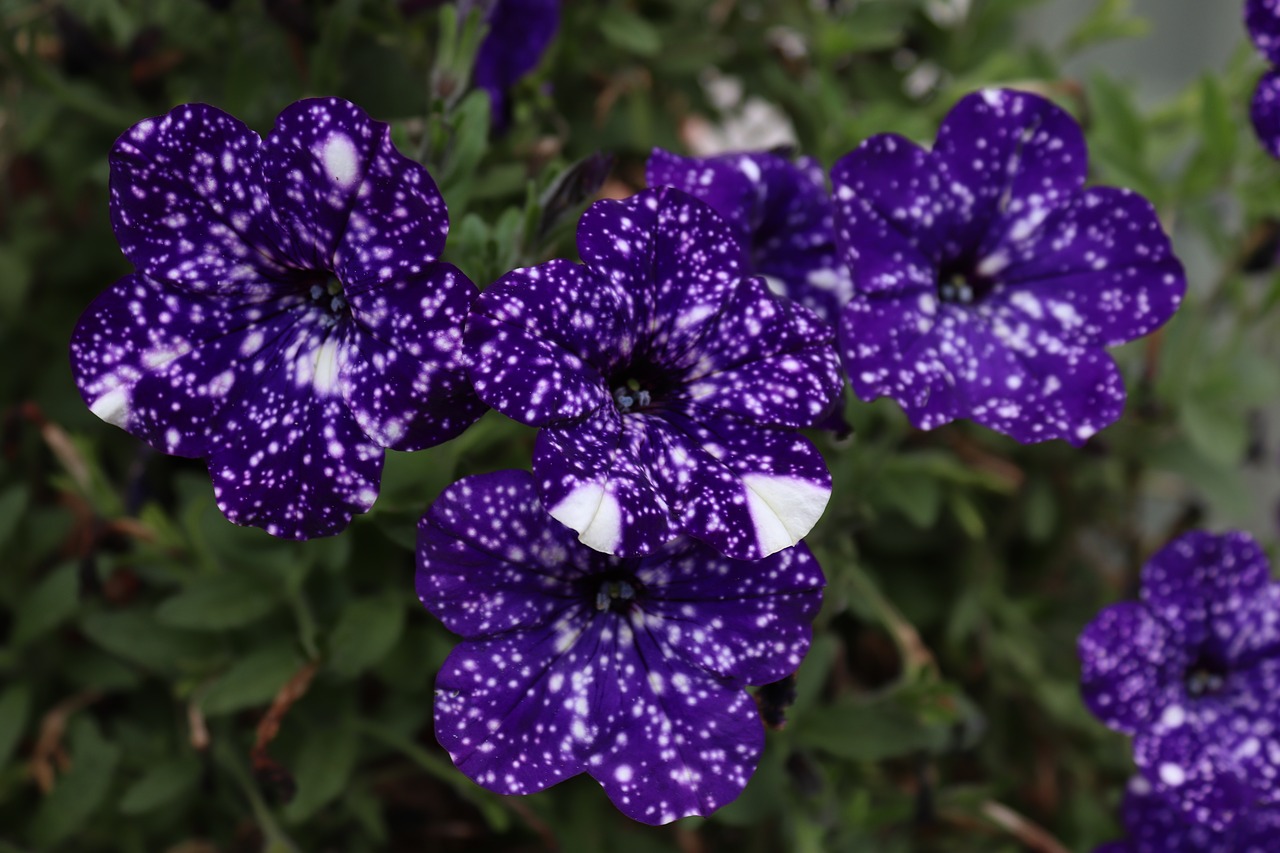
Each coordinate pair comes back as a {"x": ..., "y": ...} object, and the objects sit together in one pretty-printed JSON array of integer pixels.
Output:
[{"x": 171, "y": 682}]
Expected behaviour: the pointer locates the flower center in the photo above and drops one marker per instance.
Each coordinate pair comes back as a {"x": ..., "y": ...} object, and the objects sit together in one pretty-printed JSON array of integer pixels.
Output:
[
  {"x": 640, "y": 385},
  {"x": 1205, "y": 677},
  {"x": 959, "y": 284},
  {"x": 632, "y": 395},
  {"x": 616, "y": 594},
  {"x": 327, "y": 295}
]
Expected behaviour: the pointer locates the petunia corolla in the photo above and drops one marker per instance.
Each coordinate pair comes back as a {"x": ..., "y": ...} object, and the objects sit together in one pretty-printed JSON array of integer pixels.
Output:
[
  {"x": 1155, "y": 825},
  {"x": 632, "y": 670},
  {"x": 988, "y": 280},
  {"x": 1262, "y": 19},
  {"x": 1192, "y": 671},
  {"x": 779, "y": 210},
  {"x": 668, "y": 386},
  {"x": 288, "y": 318}
]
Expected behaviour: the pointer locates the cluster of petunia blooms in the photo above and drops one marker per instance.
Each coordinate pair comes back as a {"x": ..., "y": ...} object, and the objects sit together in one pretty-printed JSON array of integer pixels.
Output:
[{"x": 291, "y": 317}]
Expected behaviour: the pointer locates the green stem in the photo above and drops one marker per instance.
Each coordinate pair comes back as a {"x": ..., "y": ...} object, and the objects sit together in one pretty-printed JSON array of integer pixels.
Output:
[{"x": 277, "y": 841}]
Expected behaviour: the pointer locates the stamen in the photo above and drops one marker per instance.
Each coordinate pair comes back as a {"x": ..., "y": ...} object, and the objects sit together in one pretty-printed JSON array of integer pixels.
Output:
[
  {"x": 957, "y": 289},
  {"x": 631, "y": 395},
  {"x": 614, "y": 590}
]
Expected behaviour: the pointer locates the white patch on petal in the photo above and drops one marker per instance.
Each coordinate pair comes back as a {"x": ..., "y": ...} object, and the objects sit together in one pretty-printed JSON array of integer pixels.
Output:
[
  {"x": 113, "y": 407},
  {"x": 339, "y": 159},
  {"x": 594, "y": 513},
  {"x": 325, "y": 375},
  {"x": 1172, "y": 775},
  {"x": 1173, "y": 717},
  {"x": 775, "y": 284},
  {"x": 783, "y": 509},
  {"x": 251, "y": 344}
]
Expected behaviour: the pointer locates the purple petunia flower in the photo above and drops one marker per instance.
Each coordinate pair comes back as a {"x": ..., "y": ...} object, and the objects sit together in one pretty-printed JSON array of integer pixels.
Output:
[
  {"x": 988, "y": 280},
  {"x": 1155, "y": 825},
  {"x": 288, "y": 318},
  {"x": 630, "y": 670},
  {"x": 781, "y": 214},
  {"x": 519, "y": 33},
  {"x": 668, "y": 386},
  {"x": 1262, "y": 18},
  {"x": 1192, "y": 671}
]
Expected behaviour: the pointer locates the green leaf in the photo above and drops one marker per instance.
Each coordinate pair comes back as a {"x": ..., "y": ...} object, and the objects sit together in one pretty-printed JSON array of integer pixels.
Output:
[
  {"x": 15, "y": 707},
  {"x": 252, "y": 680},
  {"x": 367, "y": 630},
  {"x": 916, "y": 496},
  {"x": 1110, "y": 20},
  {"x": 15, "y": 272},
  {"x": 323, "y": 768},
  {"x": 626, "y": 30},
  {"x": 48, "y": 604},
  {"x": 813, "y": 673},
  {"x": 467, "y": 147},
  {"x": 1222, "y": 486},
  {"x": 13, "y": 503},
  {"x": 871, "y": 731},
  {"x": 161, "y": 784},
  {"x": 1218, "y": 431},
  {"x": 216, "y": 602},
  {"x": 78, "y": 793},
  {"x": 135, "y": 635},
  {"x": 919, "y": 717},
  {"x": 1040, "y": 509}
]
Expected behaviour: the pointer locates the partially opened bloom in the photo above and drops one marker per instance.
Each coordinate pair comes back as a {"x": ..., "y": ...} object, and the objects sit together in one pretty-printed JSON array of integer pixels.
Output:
[
  {"x": 988, "y": 280},
  {"x": 1156, "y": 825},
  {"x": 631, "y": 670},
  {"x": 669, "y": 386},
  {"x": 779, "y": 210},
  {"x": 519, "y": 34},
  {"x": 1192, "y": 671},
  {"x": 288, "y": 318},
  {"x": 1262, "y": 18}
]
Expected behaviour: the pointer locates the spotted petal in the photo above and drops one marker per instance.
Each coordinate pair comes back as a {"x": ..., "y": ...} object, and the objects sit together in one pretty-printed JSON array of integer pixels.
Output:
[
  {"x": 1099, "y": 270},
  {"x": 687, "y": 742},
  {"x": 159, "y": 361},
  {"x": 288, "y": 455},
  {"x": 993, "y": 364},
  {"x": 402, "y": 374},
  {"x": 1157, "y": 825},
  {"x": 746, "y": 490},
  {"x": 543, "y": 341},
  {"x": 1199, "y": 584},
  {"x": 721, "y": 182},
  {"x": 188, "y": 203},
  {"x": 491, "y": 561},
  {"x": 794, "y": 244},
  {"x": 1262, "y": 19},
  {"x": 747, "y": 620},
  {"x": 522, "y": 711},
  {"x": 1192, "y": 767},
  {"x": 764, "y": 358},
  {"x": 1008, "y": 159},
  {"x": 1264, "y": 112},
  {"x": 347, "y": 198},
  {"x": 672, "y": 254},
  {"x": 781, "y": 213},
  {"x": 893, "y": 216},
  {"x": 1130, "y": 667},
  {"x": 594, "y": 475}
]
